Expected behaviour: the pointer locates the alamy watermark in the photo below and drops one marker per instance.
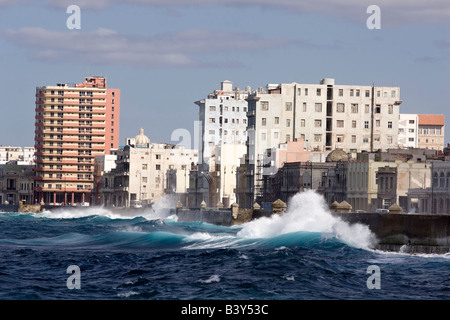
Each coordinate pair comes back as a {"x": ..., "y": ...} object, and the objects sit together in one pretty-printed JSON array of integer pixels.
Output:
[
  {"x": 374, "y": 20},
  {"x": 73, "y": 281},
  {"x": 74, "y": 20},
  {"x": 374, "y": 280}
]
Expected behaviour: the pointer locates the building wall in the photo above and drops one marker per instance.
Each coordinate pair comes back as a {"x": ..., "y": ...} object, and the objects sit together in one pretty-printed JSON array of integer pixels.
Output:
[
  {"x": 408, "y": 126},
  {"x": 431, "y": 131}
]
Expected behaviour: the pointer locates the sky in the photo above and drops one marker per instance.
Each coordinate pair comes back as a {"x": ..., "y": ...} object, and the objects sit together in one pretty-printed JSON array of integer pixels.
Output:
[{"x": 166, "y": 54}]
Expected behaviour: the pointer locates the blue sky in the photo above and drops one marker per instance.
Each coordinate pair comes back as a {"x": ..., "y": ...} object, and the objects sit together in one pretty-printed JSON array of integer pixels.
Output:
[{"x": 164, "y": 55}]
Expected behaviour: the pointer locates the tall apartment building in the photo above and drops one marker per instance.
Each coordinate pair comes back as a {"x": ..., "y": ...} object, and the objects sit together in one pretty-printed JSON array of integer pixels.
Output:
[
  {"x": 223, "y": 115},
  {"x": 325, "y": 115},
  {"x": 431, "y": 131},
  {"x": 74, "y": 123}
]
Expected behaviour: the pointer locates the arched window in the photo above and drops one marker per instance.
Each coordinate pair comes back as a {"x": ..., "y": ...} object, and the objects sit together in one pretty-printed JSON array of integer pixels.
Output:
[
  {"x": 435, "y": 179},
  {"x": 442, "y": 180}
]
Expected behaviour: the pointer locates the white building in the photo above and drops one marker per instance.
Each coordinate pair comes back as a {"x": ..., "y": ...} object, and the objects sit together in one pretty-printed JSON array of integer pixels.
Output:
[
  {"x": 325, "y": 115},
  {"x": 24, "y": 155},
  {"x": 408, "y": 128},
  {"x": 141, "y": 168}
]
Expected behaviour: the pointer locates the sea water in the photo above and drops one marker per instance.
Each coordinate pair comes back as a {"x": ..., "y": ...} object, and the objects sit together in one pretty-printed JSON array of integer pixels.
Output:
[{"x": 304, "y": 254}]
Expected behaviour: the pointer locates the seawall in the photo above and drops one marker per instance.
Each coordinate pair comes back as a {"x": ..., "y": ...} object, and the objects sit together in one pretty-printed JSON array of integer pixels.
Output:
[{"x": 413, "y": 233}]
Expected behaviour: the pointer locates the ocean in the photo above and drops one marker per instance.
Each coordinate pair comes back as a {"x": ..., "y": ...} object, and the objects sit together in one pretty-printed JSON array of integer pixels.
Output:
[{"x": 306, "y": 254}]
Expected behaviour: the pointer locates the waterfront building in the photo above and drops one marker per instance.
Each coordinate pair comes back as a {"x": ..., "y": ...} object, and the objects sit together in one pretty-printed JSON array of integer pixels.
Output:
[
  {"x": 16, "y": 183},
  {"x": 74, "y": 123},
  {"x": 431, "y": 131},
  {"x": 223, "y": 118},
  {"x": 140, "y": 172},
  {"x": 325, "y": 116}
]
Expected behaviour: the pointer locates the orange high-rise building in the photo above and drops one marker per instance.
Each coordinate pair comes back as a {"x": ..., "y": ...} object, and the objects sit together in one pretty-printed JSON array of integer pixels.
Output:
[{"x": 74, "y": 123}]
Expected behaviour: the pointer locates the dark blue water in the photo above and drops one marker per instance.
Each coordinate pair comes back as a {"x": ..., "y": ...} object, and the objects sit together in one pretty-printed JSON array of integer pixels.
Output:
[{"x": 159, "y": 258}]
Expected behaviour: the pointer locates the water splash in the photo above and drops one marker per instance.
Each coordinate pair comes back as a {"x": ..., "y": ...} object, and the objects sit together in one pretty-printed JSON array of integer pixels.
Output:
[{"x": 307, "y": 211}]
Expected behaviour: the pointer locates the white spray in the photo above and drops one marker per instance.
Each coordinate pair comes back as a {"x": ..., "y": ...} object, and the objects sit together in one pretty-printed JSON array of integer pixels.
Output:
[{"x": 307, "y": 211}]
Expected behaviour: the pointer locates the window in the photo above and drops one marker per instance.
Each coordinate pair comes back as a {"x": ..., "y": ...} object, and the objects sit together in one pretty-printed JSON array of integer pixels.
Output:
[
  {"x": 304, "y": 106},
  {"x": 357, "y": 92},
  {"x": 302, "y": 122},
  {"x": 158, "y": 156},
  {"x": 339, "y": 139},
  {"x": 210, "y": 132},
  {"x": 389, "y": 139},
  {"x": 306, "y": 91},
  {"x": 275, "y": 135},
  {"x": 318, "y": 107},
  {"x": 411, "y": 121},
  {"x": 317, "y": 123},
  {"x": 390, "y": 125},
  {"x": 263, "y": 136},
  {"x": 158, "y": 167},
  {"x": 317, "y": 138},
  {"x": 288, "y": 122},
  {"x": 365, "y": 140},
  {"x": 377, "y": 123},
  {"x": 212, "y": 108},
  {"x": 367, "y": 93},
  {"x": 288, "y": 137},
  {"x": 353, "y": 123},
  {"x": 277, "y": 120},
  {"x": 299, "y": 91},
  {"x": 354, "y": 108},
  {"x": 340, "y": 123},
  {"x": 212, "y": 120},
  {"x": 340, "y": 107},
  {"x": 263, "y": 121},
  {"x": 393, "y": 94},
  {"x": 288, "y": 106},
  {"x": 351, "y": 92},
  {"x": 366, "y": 108},
  {"x": 341, "y": 92},
  {"x": 411, "y": 139},
  {"x": 366, "y": 124},
  {"x": 144, "y": 166},
  {"x": 378, "y": 109},
  {"x": 390, "y": 109},
  {"x": 318, "y": 92},
  {"x": 353, "y": 139},
  {"x": 264, "y": 105}
]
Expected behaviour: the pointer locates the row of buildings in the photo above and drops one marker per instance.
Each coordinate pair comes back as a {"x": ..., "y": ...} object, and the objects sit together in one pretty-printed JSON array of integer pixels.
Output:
[{"x": 256, "y": 145}]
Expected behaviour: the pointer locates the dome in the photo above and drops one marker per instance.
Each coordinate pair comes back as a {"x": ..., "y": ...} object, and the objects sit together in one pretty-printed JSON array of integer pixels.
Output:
[
  {"x": 141, "y": 140},
  {"x": 337, "y": 155}
]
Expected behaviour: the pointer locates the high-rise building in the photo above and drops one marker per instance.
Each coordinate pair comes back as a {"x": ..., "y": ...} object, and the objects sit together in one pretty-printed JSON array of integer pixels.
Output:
[{"x": 74, "y": 123}]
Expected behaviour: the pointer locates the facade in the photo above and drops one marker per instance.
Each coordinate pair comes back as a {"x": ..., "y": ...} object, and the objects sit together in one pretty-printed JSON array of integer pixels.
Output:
[
  {"x": 141, "y": 169},
  {"x": 325, "y": 116},
  {"x": 16, "y": 183},
  {"x": 74, "y": 123},
  {"x": 431, "y": 131},
  {"x": 23, "y": 155},
  {"x": 408, "y": 129}
]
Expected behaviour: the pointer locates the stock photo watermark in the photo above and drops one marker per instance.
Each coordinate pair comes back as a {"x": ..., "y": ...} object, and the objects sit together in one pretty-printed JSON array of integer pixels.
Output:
[
  {"x": 74, "y": 20},
  {"x": 374, "y": 280},
  {"x": 374, "y": 20},
  {"x": 73, "y": 281}
]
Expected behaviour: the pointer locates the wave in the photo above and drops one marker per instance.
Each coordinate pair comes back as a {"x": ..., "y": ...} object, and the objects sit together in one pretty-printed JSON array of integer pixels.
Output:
[{"x": 307, "y": 211}]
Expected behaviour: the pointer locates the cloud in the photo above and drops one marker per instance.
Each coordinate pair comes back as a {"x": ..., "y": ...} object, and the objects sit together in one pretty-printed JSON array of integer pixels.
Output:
[{"x": 189, "y": 48}]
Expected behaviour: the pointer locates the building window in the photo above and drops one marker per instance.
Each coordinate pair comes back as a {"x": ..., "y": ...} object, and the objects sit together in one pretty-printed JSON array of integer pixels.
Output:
[
  {"x": 353, "y": 139},
  {"x": 340, "y": 107},
  {"x": 288, "y": 122},
  {"x": 302, "y": 122},
  {"x": 317, "y": 138},
  {"x": 393, "y": 94},
  {"x": 288, "y": 106},
  {"x": 366, "y": 124},
  {"x": 158, "y": 167},
  {"x": 367, "y": 108},
  {"x": 264, "y": 105},
  {"x": 378, "y": 109},
  {"x": 340, "y": 123},
  {"x": 367, "y": 93},
  {"x": 357, "y": 92},
  {"x": 389, "y": 139},
  {"x": 318, "y": 107},
  {"x": 288, "y": 137},
  {"x": 390, "y": 109},
  {"x": 263, "y": 121},
  {"x": 353, "y": 123},
  {"x": 390, "y": 125},
  {"x": 377, "y": 123},
  {"x": 339, "y": 139},
  {"x": 351, "y": 92},
  {"x": 304, "y": 106},
  {"x": 354, "y": 108},
  {"x": 318, "y": 123},
  {"x": 212, "y": 108},
  {"x": 212, "y": 120},
  {"x": 341, "y": 92},
  {"x": 318, "y": 92},
  {"x": 306, "y": 91},
  {"x": 263, "y": 136}
]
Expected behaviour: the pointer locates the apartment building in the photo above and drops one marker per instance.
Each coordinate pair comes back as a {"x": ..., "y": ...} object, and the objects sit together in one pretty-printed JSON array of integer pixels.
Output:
[
  {"x": 431, "y": 131},
  {"x": 74, "y": 123},
  {"x": 23, "y": 155},
  {"x": 141, "y": 170},
  {"x": 325, "y": 116},
  {"x": 408, "y": 130}
]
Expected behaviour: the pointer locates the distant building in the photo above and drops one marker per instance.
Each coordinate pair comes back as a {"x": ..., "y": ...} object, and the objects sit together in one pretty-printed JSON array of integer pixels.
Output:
[
  {"x": 16, "y": 183},
  {"x": 408, "y": 129},
  {"x": 431, "y": 131},
  {"x": 141, "y": 170},
  {"x": 22, "y": 155},
  {"x": 74, "y": 123}
]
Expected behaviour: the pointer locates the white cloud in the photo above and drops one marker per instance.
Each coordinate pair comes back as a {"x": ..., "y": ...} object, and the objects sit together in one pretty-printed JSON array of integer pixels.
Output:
[{"x": 104, "y": 46}]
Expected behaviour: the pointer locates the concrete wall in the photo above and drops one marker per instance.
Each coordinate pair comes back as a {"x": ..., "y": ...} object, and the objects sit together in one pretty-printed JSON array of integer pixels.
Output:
[{"x": 393, "y": 231}]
